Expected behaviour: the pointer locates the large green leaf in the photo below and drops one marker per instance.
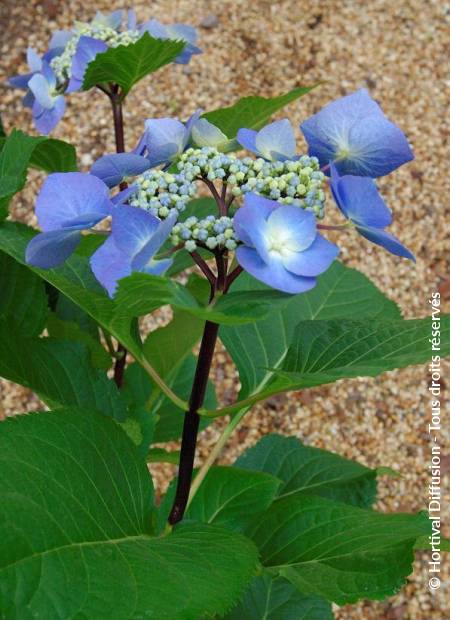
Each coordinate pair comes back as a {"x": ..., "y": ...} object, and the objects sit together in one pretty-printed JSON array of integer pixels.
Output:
[
  {"x": 252, "y": 112},
  {"x": 337, "y": 551},
  {"x": 311, "y": 471},
  {"x": 325, "y": 351},
  {"x": 59, "y": 371},
  {"x": 20, "y": 151},
  {"x": 125, "y": 65},
  {"x": 341, "y": 292},
  {"x": 226, "y": 495},
  {"x": 22, "y": 296},
  {"x": 269, "y": 598},
  {"x": 76, "y": 518}
]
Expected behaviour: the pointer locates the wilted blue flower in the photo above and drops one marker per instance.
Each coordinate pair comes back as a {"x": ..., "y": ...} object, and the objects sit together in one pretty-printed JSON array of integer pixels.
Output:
[
  {"x": 112, "y": 169},
  {"x": 49, "y": 105},
  {"x": 274, "y": 142},
  {"x": 87, "y": 50},
  {"x": 180, "y": 32},
  {"x": 354, "y": 133},
  {"x": 68, "y": 203},
  {"x": 165, "y": 139},
  {"x": 135, "y": 239},
  {"x": 359, "y": 201},
  {"x": 281, "y": 246}
]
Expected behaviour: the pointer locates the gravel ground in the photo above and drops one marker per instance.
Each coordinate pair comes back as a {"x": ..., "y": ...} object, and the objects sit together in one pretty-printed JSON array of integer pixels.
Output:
[{"x": 397, "y": 50}]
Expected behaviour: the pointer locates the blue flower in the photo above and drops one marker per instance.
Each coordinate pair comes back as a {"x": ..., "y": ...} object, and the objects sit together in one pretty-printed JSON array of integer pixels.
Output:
[
  {"x": 135, "y": 239},
  {"x": 48, "y": 106},
  {"x": 280, "y": 244},
  {"x": 68, "y": 203},
  {"x": 182, "y": 32},
  {"x": 165, "y": 139},
  {"x": 87, "y": 50},
  {"x": 35, "y": 64},
  {"x": 354, "y": 133},
  {"x": 274, "y": 142},
  {"x": 359, "y": 201}
]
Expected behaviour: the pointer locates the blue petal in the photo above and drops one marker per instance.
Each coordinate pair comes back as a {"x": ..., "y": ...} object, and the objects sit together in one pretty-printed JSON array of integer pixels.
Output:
[
  {"x": 158, "y": 267},
  {"x": 183, "y": 32},
  {"x": 60, "y": 39},
  {"x": 112, "y": 169},
  {"x": 111, "y": 20},
  {"x": 28, "y": 100},
  {"x": 276, "y": 141},
  {"x": 247, "y": 139},
  {"x": 185, "y": 56},
  {"x": 132, "y": 228},
  {"x": 121, "y": 198},
  {"x": 109, "y": 265},
  {"x": 131, "y": 19},
  {"x": 50, "y": 249},
  {"x": 20, "y": 81},
  {"x": 41, "y": 90},
  {"x": 314, "y": 260},
  {"x": 166, "y": 138},
  {"x": 295, "y": 227},
  {"x": 67, "y": 195},
  {"x": 387, "y": 241},
  {"x": 34, "y": 60},
  {"x": 143, "y": 260},
  {"x": 46, "y": 120},
  {"x": 354, "y": 133},
  {"x": 155, "y": 29},
  {"x": 250, "y": 222},
  {"x": 274, "y": 274},
  {"x": 87, "y": 50}
]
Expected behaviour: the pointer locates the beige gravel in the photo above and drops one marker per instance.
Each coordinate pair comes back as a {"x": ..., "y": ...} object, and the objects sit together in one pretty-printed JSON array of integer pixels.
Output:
[{"x": 397, "y": 49}]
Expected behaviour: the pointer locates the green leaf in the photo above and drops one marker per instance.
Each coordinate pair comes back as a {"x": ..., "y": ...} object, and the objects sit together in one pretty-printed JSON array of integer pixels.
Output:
[
  {"x": 125, "y": 65},
  {"x": 225, "y": 495},
  {"x": 22, "y": 296},
  {"x": 76, "y": 512},
  {"x": 311, "y": 471},
  {"x": 340, "y": 293},
  {"x": 337, "y": 551},
  {"x": 325, "y": 351},
  {"x": 59, "y": 371},
  {"x": 276, "y": 598},
  {"x": 252, "y": 112},
  {"x": 69, "y": 330},
  {"x": 20, "y": 151},
  {"x": 53, "y": 155}
]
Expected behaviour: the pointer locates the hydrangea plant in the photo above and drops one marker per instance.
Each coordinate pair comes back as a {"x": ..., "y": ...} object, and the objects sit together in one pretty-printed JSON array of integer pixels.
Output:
[{"x": 223, "y": 218}]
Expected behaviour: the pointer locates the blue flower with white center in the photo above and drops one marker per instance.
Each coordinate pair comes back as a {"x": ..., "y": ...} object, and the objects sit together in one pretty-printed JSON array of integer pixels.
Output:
[
  {"x": 68, "y": 203},
  {"x": 274, "y": 142},
  {"x": 87, "y": 50},
  {"x": 359, "y": 201},
  {"x": 354, "y": 133},
  {"x": 280, "y": 244},
  {"x": 165, "y": 139},
  {"x": 135, "y": 239},
  {"x": 179, "y": 32},
  {"x": 49, "y": 105}
]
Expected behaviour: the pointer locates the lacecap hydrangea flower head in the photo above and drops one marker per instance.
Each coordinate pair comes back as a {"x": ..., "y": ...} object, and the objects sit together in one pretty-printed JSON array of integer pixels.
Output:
[
  {"x": 269, "y": 207},
  {"x": 62, "y": 68}
]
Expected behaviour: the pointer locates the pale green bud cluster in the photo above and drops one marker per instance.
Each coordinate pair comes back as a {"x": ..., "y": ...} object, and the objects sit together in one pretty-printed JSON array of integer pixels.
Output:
[
  {"x": 211, "y": 232},
  {"x": 161, "y": 193},
  {"x": 62, "y": 64},
  {"x": 295, "y": 182}
]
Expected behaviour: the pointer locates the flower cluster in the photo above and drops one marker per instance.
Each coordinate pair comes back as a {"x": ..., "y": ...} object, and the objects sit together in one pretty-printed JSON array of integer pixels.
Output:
[
  {"x": 62, "y": 68},
  {"x": 274, "y": 233},
  {"x": 297, "y": 182},
  {"x": 161, "y": 193},
  {"x": 210, "y": 232}
]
